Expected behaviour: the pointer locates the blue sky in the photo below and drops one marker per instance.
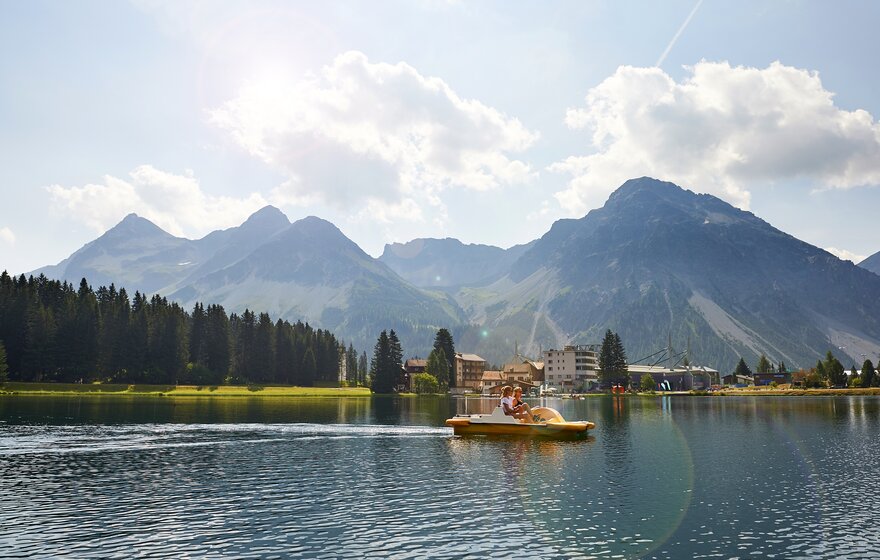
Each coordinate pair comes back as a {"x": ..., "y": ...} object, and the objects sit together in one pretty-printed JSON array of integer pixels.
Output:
[{"x": 484, "y": 121}]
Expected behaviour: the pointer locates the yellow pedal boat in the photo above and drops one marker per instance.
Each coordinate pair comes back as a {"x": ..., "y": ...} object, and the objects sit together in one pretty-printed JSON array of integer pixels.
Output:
[{"x": 548, "y": 423}]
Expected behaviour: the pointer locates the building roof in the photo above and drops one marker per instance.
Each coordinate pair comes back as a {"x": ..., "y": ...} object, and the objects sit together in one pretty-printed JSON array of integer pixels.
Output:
[
  {"x": 492, "y": 375},
  {"x": 470, "y": 357},
  {"x": 416, "y": 363},
  {"x": 641, "y": 368}
]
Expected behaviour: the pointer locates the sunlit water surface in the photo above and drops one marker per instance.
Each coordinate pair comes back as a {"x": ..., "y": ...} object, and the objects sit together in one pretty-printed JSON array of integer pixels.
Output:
[{"x": 683, "y": 477}]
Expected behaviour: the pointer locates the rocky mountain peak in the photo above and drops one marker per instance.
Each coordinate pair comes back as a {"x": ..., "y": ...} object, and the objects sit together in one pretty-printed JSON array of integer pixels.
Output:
[{"x": 268, "y": 217}]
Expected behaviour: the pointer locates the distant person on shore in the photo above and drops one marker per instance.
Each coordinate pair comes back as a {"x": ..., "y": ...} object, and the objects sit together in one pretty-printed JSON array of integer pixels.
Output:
[{"x": 509, "y": 408}]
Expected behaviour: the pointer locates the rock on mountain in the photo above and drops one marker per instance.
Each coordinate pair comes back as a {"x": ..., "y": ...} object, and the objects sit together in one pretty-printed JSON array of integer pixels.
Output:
[
  {"x": 872, "y": 263},
  {"x": 448, "y": 262},
  {"x": 657, "y": 261}
]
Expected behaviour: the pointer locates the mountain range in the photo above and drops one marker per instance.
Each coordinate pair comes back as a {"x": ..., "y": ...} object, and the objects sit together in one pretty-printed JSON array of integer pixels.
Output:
[{"x": 655, "y": 263}]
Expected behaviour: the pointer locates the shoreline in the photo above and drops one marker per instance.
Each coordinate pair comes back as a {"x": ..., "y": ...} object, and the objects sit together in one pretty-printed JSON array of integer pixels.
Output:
[{"x": 23, "y": 388}]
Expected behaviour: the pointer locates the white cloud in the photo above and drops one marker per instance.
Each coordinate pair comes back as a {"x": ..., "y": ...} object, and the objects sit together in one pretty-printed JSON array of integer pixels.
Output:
[
  {"x": 6, "y": 236},
  {"x": 722, "y": 130},
  {"x": 176, "y": 203},
  {"x": 376, "y": 137},
  {"x": 846, "y": 255}
]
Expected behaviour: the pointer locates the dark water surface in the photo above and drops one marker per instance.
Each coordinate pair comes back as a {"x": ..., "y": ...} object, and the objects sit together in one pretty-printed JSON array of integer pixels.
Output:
[{"x": 666, "y": 477}]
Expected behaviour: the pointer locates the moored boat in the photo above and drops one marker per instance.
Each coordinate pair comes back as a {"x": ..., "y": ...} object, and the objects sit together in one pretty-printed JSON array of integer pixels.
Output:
[{"x": 547, "y": 422}]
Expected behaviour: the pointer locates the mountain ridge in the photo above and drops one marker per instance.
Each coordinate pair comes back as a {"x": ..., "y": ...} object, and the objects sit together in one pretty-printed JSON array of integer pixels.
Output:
[{"x": 656, "y": 261}]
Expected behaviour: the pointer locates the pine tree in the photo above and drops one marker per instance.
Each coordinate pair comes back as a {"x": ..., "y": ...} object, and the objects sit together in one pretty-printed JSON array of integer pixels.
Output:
[
  {"x": 4, "y": 369},
  {"x": 309, "y": 366},
  {"x": 38, "y": 354},
  {"x": 621, "y": 371},
  {"x": 869, "y": 375},
  {"x": 606, "y": 359},
  {"x": 198, "y": 335},
  {"x": 438, "y": 367},
  {"x": 764, "y": 365},
  {"x": 382, "y": 368},
  {"x": 443, "y": 340},
  {"x": 362, "y": 368},
  {"x": 351, "y": 364},
  {"x": 217, "y": 343},
  {"x": 742, "y": 368},
  {"x": 264, "y": 349},
  {"x": 835, "y": 370}
]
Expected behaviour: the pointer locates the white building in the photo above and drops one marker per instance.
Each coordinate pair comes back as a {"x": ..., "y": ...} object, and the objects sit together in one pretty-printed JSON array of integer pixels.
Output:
[{"x": 574, "y": 368}]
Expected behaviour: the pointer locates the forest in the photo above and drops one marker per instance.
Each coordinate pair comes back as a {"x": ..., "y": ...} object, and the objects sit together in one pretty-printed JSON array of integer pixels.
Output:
[{"x": 53, "y": 331}]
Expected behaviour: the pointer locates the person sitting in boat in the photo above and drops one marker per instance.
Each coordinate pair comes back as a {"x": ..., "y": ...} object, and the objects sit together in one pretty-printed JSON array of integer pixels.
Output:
[
  {"x": 519, "y": 405},
  {"x": 508, "y": 407}
]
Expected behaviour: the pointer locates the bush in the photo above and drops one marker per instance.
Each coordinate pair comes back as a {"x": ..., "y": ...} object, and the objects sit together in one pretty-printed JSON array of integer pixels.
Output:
[
  {"x": 425, "y": 383},
  {"x": 774, "y": 385},
  {"x": 856, "y": 382},
  {"x": 814, "y": 381},
  {"x": 647, "y": 384}
]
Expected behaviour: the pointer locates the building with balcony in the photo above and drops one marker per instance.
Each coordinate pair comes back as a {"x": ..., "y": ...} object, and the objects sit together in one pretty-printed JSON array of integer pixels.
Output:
[
  {"x": 574, "y": 368},
  {"x": 469, "y": 370}
]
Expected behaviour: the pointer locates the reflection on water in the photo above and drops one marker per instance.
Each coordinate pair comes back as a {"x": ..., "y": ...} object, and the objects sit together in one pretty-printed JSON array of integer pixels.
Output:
[{"x": 665, "y": 477}]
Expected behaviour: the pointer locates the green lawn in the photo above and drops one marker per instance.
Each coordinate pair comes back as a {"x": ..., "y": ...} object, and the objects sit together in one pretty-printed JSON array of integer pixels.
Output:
[{"x": 179, "y": 390}]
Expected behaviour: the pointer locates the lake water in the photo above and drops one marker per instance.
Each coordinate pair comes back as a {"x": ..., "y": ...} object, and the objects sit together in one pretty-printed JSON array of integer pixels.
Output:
[{"x": 665, "y": 477}]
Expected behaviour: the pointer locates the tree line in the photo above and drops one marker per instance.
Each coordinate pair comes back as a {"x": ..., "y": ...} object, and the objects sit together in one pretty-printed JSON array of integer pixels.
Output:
[
  {"x": 829, "y": 372},
  {"x": 52, "y": 331}
]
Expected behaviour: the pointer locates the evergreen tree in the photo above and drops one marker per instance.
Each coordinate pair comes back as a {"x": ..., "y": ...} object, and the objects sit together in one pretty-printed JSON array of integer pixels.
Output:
[
  {"x": 382, "y": 370},
  {"x": 612, "y": 361},
  {"x": 351, "y": 365},
  {"x": 396, "y": 349},
  {"x": 835, "y": 370},
  {"x": 443, "y": 341},
  {"x": 820, "y": 371},
  {"x": 198, "y": 335},
  {"x": 284, "y": 359},
  {"x": 38, "y": 354},
  {"x": 781, "y": 368},
  {"x": 362, "y": 368},
  {"x": 621, "y": 371},
  {"x": 606, "y": 359},
  {"x": 264, "y": 350},
  {"x": 4, "y": 369},
  {"x": 764, "y": 365},
  {"x": 438, "y": 367},
  {"x": 309, "y": 366},
  {"x": 84, "y": 335},
  {"x": 742, "y": 368},
  {"x": 869, "y": 374},
  {"x": 217, "y": 343}
]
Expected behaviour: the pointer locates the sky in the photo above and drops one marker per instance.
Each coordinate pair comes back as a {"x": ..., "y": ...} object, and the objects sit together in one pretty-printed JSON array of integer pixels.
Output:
[{"x": 485, "y": 121}]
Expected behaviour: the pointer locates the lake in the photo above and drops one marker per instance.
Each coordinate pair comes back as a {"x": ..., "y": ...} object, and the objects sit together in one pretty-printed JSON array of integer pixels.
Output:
[{"x": 664, "y": 477}]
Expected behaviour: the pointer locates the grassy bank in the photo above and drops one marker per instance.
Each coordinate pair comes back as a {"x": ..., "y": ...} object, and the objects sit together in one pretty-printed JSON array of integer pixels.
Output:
[
  {"x": 97, "y": 389},
  {"x": 786, "y": 391}
]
